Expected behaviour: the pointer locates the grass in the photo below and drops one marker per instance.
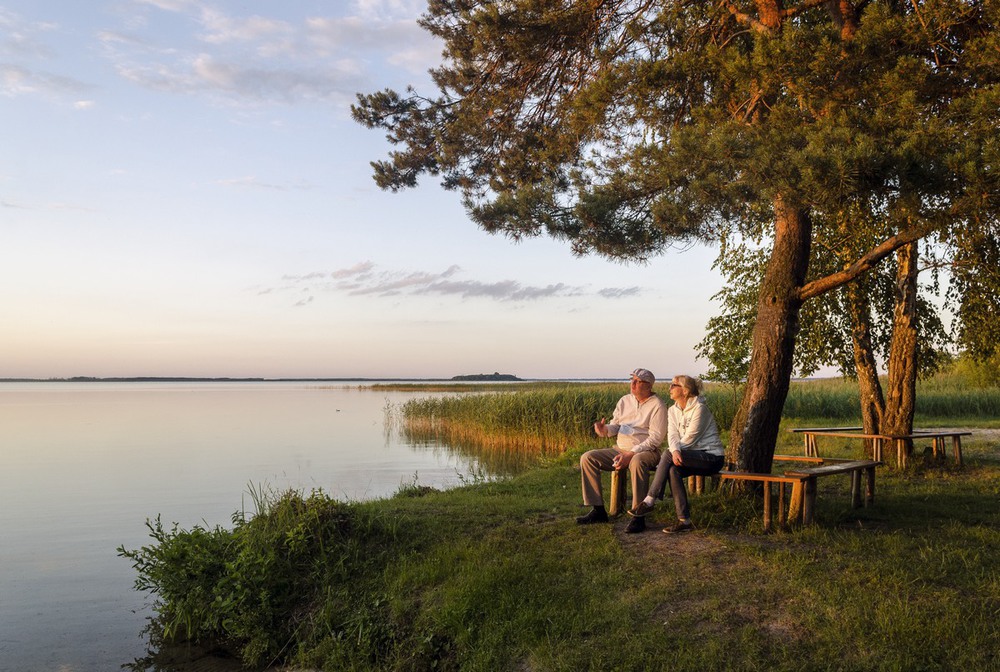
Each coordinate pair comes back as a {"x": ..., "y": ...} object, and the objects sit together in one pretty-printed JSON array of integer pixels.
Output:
[{"x": 496, "y": 576}]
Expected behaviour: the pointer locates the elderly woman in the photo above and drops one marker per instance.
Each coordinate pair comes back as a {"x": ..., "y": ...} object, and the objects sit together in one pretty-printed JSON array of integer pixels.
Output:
[{"x": 695, "y": 450}]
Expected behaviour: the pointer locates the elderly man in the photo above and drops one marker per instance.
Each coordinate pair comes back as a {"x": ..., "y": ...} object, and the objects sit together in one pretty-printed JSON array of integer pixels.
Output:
[{"x": 640, "y": 425}]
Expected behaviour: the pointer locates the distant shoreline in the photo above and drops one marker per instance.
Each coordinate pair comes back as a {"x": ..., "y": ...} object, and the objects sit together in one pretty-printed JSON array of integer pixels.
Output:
[{"x": 191, "y": 379}]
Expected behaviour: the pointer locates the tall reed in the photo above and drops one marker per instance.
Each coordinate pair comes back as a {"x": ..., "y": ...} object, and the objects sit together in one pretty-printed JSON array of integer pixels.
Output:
[
  {"x": 547, "y": 419},
  {"x": 540, "y": 421}
]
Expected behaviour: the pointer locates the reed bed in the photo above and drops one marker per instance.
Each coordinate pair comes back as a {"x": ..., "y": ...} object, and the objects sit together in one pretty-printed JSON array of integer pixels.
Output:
[{"x": 540, "y": 419}]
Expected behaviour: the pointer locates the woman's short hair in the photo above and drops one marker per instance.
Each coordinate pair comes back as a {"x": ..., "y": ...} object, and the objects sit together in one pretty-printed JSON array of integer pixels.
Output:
[{"x": 690, "y": 384}]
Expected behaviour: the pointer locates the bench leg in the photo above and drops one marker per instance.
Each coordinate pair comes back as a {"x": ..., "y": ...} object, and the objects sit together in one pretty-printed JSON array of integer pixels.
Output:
[
  {"x": 795, "y": 506},
  {"x": 767, "y": 506},
  {"x": 870, "y": 488},
  {"x": 808, "y": 500},
  {"x": 617, "y": 504},
  {"x": 782, "y": 516},
  {"x": 956, "y": 442}
]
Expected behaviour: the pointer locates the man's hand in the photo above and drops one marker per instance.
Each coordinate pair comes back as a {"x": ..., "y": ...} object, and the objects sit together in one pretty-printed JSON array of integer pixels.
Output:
[
  {"x": 600, "y": 429},
  {"x": 622, "y": 459},
  {"x": 678, "y": 460}
]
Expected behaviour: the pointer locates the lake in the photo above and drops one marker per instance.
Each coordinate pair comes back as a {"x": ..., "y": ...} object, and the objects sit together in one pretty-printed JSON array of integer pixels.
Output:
[{"x": 85, "y": 464}]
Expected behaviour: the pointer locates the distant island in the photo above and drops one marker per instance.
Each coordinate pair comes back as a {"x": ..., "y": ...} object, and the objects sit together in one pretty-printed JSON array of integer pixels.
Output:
[{"x": 488, "y": 377}]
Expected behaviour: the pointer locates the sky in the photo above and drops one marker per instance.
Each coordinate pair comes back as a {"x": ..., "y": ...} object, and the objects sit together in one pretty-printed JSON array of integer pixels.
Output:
[{"x": 184, "y": 193}]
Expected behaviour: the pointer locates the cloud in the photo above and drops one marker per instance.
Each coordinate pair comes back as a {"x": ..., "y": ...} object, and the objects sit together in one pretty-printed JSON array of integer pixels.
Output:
[
  {"x": 19, "y": 38},
  {"x": 251, "y": 182},
  {"x": 254, "y": 60},
  {"x": 16, "y": 80},
  {"x": 619, "y": 292},
  {"x": 361, "y": 268},
  {"x": 222, "y": 29},
  {"x": 25, "y": 61},
  {"x": 364, "y": 279}
]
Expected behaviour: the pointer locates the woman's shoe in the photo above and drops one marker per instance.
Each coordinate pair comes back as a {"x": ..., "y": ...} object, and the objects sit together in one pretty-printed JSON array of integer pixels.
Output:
[{"x": 641, "y": 509}]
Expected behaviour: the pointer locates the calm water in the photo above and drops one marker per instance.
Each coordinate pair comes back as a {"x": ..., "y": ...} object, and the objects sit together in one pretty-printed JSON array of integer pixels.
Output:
[{"x": 82, "y": 465}]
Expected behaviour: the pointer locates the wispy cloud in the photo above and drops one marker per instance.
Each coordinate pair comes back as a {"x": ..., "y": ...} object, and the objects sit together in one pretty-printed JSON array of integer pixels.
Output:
[
  {"x": 255, "y": 59},
  {"x": 18, "y": 80},
  {"x": 619, "y": 292},
  {"x": 250, "y": 182},
  {"x": 365, "y": 279},
  {"x": 26, "y": 60}
]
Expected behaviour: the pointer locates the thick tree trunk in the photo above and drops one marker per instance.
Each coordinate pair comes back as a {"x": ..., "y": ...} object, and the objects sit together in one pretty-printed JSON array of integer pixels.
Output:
[
  {"x": 869, "y": 387},
  {"x": 902, "y": 383},
  {"x": 755, "y": 425}
]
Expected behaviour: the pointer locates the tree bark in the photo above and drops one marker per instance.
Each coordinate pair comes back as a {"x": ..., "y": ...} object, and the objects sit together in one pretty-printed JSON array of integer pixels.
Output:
[
  {"x": 902, "y": 379},
  {"x": 755, "y": 426},
  {"x": 869, "y": 387}
]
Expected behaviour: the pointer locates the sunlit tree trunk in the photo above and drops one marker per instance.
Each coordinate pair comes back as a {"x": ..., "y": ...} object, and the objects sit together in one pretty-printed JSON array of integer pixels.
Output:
[
  {"x": 755, "y": 426},
  {"x": 902, "y": 379}
]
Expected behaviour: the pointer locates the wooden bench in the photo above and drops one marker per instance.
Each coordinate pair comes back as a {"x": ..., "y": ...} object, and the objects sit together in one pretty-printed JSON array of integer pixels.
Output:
[
  {"x": 619, "y": 481},
  {"x": 783, "y": 482},
  {"x": 937, "y": 437},
  {"x": 799, "y": 503},
  {"x": 807, "y": 500}
]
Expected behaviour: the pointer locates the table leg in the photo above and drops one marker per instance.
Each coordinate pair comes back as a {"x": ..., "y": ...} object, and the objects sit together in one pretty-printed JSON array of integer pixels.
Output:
[
  {"x": 870, "y": 486},
  {"x": 956, "y": 442},
  {"x": 856, "y": 489}
]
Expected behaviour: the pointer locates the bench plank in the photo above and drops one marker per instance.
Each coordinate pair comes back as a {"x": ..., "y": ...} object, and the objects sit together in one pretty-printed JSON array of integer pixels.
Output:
[{"x": 839, "y": 468}]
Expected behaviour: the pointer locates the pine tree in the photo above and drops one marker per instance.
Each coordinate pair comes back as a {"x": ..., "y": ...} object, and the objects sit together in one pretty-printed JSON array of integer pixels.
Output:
[{"x": 625, "y": 126}]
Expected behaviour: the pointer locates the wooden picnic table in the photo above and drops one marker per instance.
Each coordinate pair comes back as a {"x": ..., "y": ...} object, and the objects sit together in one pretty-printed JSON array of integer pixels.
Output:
[{"x": 938, "y": 438}]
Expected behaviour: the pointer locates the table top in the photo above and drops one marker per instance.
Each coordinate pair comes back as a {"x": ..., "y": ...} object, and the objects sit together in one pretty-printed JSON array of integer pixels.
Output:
[{"x": 917, "y": 433}]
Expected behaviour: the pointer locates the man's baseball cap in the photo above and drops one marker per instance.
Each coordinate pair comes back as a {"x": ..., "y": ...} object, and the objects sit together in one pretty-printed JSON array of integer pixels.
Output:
[{"x": 644, "y": 375}]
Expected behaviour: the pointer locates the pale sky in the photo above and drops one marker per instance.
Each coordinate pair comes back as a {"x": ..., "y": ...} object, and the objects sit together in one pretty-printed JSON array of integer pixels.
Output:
[{"x": 183, "y": 193}]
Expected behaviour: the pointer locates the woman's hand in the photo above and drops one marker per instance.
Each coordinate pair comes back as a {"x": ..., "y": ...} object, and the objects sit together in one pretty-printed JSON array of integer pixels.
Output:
[{"x": 678, "y": 460}]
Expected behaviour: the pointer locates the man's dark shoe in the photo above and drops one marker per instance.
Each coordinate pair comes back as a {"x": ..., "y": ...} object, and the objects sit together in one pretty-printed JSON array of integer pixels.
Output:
[
  {"x": 595, "y": 516},
  {"x": 678, "y": 528},
  {"x": 635, "y": 525},
  {"x": 641, "y": 509}
]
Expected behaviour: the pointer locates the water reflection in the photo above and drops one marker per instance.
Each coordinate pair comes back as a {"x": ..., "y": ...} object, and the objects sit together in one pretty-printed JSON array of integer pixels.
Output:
[
  {"x": 85, "y": 464},
  {"x": 497, "y": 459}
]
